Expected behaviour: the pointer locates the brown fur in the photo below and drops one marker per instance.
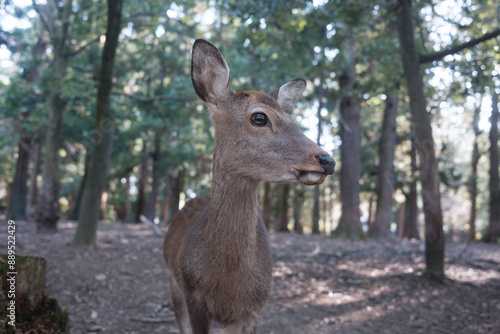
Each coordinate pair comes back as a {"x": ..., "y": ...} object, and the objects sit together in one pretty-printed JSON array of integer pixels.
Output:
[{"x": 216, "y": 248}]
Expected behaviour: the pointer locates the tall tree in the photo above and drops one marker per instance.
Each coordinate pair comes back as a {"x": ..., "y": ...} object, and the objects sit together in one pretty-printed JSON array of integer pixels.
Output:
[
  {"x": 58, "y": 27},
  {"x": 19, "y": 187},
  {"x": 140, "y": 208},
  {"x": 349, "y": 226},
  {"x": 28, "y": 147},
  {"x": 472, "y": 184},
  {"x": 99, "y": 161},
  {"x": 316, "y": 210},
  {"x": 155, "y": 184},
  {"x": 176, "y": 181},
  {"x": 493, "y": 233},
  {"x": 408, "y": 227},
  {"x": 434, "y": 235},
  {"x": 282, "y": 212},
  {"x": 298, "y": 201},
  {"x": 423, "y": 132},
  {"x": 75, "y": 210},
  {"x": 266, "y": 205},
  {"x": 385, "y": 176},
  {"x": 317, "y": 192},
  {"x": 35, "y": 167}
]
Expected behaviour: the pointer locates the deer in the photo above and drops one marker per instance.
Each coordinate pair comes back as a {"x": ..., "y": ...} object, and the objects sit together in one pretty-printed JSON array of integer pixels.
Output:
[{"x": 216, "y": 248}]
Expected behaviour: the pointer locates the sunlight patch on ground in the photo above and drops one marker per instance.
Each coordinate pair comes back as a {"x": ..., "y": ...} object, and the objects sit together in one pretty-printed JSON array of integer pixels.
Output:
[
  {"x": 334, "y": 298},
  {"x": 472, "y": 276}
]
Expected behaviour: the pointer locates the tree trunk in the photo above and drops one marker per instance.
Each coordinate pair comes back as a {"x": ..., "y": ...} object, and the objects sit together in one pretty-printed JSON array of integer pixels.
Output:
[
  {"x": 401, "y": 221},
  {"x": 349, "y": 226},
  {"x": 298, "y": 200},
  {"x": 48, "y": 202},
  {"x": 140, "y": 208},
  {"x": 282, "y": 222},
  {"x": 104, "y": 202},
  {"x": 411, "y": 214},
  {"x": 19, "y": 187},
  {"x": 385, "y": 179},
  {"x": 30, "y": 281},
  {"x": 410, "y": 230},
  {"x": 434, "y": 235},
  {"x": 122, "y": 207},
  {"x": 176, "y": 187},
  {"x": 315, "y": 213},
  {"x": 35, "y": 312},
  {"x": 369, "y": 221},
  {"x": 332, "y": 201},
  {"x": 317, "y": 193},
  {"x": 165, "y": 202},
  {"x": 153, "y": 195},
  {"x": 325, "y": 209},
  {"x": 99, "y": 161},
  {"x": 75, "y": 210},
  {"x": 471, "y": 231},
  {"x": 22, "y": 199},
  {"x": 35, "y": 167},
  {"x": 266, "y": 210},
  {"x": 493, "y": 233}
]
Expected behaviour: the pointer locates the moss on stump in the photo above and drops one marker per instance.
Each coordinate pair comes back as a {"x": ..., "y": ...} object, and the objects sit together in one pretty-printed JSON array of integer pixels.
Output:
[{"x": 34, "y": 311}]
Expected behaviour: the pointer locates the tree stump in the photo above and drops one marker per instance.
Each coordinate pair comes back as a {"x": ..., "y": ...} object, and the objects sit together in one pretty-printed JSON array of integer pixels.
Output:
[{"x": 25, "y": 290}]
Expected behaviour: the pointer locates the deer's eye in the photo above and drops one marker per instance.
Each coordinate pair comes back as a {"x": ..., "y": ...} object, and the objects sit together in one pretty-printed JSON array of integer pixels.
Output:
[{"x": 259, "y": 119}]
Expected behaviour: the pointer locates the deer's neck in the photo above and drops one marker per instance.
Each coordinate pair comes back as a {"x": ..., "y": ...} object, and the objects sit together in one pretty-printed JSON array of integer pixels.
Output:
[{"x": 232, "y": 217}]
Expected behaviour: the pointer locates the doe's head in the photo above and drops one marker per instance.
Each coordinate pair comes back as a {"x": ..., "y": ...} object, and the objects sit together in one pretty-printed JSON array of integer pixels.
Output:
[{"x": 255, "y": 136}]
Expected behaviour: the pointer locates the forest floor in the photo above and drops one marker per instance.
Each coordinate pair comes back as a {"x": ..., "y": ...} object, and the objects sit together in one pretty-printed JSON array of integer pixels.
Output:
[{"x": 320, "y": 285}]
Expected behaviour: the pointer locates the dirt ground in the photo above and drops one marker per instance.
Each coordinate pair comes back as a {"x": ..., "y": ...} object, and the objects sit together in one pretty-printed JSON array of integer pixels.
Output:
[{"x": 320, "y": 285}]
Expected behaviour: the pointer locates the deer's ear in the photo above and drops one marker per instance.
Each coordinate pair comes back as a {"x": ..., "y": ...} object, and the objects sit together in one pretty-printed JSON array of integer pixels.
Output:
[
  {"x": 209, "y": 73},
  {"x": 288, "y": 94}
]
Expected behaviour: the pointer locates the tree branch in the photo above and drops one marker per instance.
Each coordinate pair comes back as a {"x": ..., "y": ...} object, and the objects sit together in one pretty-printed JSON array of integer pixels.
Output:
[
  {"x": 66, "y": 22},
  {"x": 452, "y": 50},
  {"x": 84, "y": 47},
  {"x": 42, "y": 18}
]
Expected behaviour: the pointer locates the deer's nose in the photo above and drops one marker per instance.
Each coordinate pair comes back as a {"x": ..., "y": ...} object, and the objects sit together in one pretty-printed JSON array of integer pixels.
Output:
[{"x": 327, "y": 163}]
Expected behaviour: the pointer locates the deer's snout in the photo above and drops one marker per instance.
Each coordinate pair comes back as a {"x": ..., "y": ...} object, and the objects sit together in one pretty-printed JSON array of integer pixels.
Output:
[{"x": 327, "y": 163}]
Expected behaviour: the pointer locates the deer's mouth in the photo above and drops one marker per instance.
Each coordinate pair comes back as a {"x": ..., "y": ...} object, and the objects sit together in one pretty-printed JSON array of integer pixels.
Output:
[{"x": 310, "y": 177}]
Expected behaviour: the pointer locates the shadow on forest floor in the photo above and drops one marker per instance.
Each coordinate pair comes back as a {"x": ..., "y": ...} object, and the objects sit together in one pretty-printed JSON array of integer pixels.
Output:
[{"x": 320, "y": 285}]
